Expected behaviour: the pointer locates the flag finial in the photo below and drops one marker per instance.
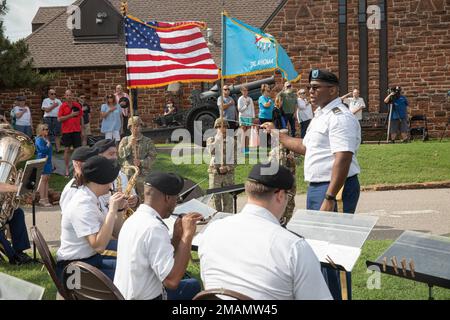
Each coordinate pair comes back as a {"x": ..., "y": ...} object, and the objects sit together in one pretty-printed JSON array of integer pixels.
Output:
[{"x": 124, "y": 8}]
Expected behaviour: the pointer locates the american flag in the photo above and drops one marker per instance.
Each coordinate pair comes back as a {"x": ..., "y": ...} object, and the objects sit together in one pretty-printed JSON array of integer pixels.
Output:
[{"x": 160, "y": 53}]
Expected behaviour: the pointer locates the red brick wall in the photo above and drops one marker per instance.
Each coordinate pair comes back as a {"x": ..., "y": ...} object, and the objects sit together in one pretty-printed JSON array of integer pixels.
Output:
[{"x": 419, "y": 56}]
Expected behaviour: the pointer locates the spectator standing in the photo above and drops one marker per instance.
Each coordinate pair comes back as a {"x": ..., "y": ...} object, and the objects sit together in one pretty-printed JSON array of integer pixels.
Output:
[
  {"x": 229, "y": 107},
  {"x": 123, "y": 99},
  {"x": 266, "y": 105},
  {"x": 304, "y": 112},
  {"x": 22, "y": 116},
  {"x": 399, "y": 114},
  {"x": 86, "y": 118},
  {"x": 355, "y": 103},
  {"x": 111, "y": 119},
  {"x": 51, "y": 107},
  {"x": 44, "y": 149},
  {"x": 288, "y": 100},
  {"x": 246, "y": 109},
  {"x": 71, "y": 117}
]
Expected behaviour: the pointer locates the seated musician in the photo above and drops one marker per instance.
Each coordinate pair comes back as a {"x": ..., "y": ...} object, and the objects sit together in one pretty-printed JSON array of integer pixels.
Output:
[
  {"x": 86, "y": 230},
  {"x": 253, "y": 254},
  {"x": 107, "y": 148},
  {"x": 18, "y": 230},
  {"x": 147, "y": 259},
  {"x": 79, "y": 156}
]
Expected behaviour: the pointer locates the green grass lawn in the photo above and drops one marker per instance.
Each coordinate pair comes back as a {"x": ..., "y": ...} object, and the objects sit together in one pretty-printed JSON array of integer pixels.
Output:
[
  {"x": 391, "y": 288},
  {"x": 380, "y": 164}
]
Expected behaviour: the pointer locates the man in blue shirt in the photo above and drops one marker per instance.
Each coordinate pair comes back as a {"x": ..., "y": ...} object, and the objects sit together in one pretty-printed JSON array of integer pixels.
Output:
[{"x": 399, "y": 114}]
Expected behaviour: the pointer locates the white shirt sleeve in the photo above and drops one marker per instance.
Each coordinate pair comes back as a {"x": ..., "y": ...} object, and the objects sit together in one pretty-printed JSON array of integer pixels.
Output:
[
  {"x": 86, "y": 222},
  {"x": 160, "y": 252},
  {"x": 343, "y": 133},
  {"x": 241, "y": 104},
  {"x": 309, "y": 283},
  {"x": 45, "y": 104}
]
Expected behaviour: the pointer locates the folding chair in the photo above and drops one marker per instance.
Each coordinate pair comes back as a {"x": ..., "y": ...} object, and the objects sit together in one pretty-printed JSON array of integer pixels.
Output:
[
  {"x": 48, "y": 260},
  {"x": 418, "y": 126},
  {"x": 92, "y": 284},
  {"x": 220, "y": 294}
]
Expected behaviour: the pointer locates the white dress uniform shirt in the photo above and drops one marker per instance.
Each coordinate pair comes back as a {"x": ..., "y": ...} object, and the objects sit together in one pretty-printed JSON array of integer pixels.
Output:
[
  {"x": 67, "y": 194},
  {"x": 355, "y": 104},
  {"x": 104, "y": 200},
  {"x": 145, "y": 255},
  {"x": 252, "y": 254},
  {"x": 82, "y": 217},
  {"x": 333, "y": 129},
  {"x": 47, "y": 103},
  {"x": 304, "y": 110}
]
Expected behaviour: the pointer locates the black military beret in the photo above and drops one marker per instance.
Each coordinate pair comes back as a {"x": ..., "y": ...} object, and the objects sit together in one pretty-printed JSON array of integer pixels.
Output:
[
  {"x": 168, "y": 183},
  {"x": 282, "y": 179},
  {"x": 83, "y": 153},
  {"x": 101, "y": 170},
  {"x": 104, "y": 145},
  {"x": 323, "y": 75}
]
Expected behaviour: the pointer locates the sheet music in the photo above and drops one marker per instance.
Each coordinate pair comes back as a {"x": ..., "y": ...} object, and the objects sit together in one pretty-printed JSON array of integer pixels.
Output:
[
  {"x": 191, "y": 206},
  {"x": 341, "y": 255}
]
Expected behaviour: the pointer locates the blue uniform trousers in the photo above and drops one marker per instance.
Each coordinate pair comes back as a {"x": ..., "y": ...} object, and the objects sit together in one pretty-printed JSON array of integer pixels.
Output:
[
  {"x": 187, "y": 289},
  {"x": 19, "y": 235},
  {"x": 350, "y": 196}
]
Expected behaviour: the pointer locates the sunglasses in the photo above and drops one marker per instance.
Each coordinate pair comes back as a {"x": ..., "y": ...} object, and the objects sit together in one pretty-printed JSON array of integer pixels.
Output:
[
  {"x": 52, "y": 94},
  {"x": 45, "y": 129},
  {"x": 226, "y": 89},
  {"x": 314, "y": 88}
]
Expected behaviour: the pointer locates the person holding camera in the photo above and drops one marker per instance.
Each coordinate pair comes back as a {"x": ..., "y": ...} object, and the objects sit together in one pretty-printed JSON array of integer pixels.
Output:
[
  {"x": 399, "y": 114},
  {"x": 70, "y": 115}
]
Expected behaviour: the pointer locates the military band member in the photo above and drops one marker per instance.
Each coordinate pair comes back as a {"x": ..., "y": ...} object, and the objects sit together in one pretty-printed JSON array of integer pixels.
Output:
[
  {"x": 107, "y": 148},
  {"x": 86, "y": 230},
  {"x": 221, "y": 171},
  {"x": 147, "y": 258},
  {"x": 18, "y": 229},
  {"x": 79, "y": 156},
  {"x": 330, "y": 146},
  {"x": 260, "y": 258},
  {"x": 137, "y": 150},
  {"x": 285, "y": 158}
]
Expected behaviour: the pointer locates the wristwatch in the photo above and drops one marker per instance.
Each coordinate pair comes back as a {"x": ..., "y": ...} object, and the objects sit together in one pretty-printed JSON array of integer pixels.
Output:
[{"x": 330, "y": 197}]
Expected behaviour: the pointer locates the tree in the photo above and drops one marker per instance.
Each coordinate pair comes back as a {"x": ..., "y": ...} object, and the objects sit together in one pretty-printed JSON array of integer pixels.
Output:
[{"x": 16, "y": 64}]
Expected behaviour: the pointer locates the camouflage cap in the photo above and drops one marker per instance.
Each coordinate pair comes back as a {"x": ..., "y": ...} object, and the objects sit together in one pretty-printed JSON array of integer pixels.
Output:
[
  {"x": 136, "y": 120},
  {"x": 218, "y": 123}
]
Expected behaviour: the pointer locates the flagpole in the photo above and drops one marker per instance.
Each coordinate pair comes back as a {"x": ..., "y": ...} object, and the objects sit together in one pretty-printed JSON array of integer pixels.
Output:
[
  {"x": 222, "y": 79},
  {"x": 124, "y": 9}
]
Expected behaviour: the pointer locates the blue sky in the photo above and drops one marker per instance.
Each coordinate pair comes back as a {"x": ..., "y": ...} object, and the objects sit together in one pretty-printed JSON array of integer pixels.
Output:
[{"x": 21, "y": 12}]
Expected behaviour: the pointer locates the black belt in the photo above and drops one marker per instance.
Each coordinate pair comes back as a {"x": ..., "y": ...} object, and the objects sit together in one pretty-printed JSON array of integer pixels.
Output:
[{"x": 321, "y": 182}]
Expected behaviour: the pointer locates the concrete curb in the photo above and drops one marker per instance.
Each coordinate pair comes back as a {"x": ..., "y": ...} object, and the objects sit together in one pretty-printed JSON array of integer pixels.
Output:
[{"x": 408, "y": 186}]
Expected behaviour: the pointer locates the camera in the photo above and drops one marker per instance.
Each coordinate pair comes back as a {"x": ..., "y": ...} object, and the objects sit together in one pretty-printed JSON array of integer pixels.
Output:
[
  {"x": 75, "y": 109},
  {"x": 394, "y": 90}
]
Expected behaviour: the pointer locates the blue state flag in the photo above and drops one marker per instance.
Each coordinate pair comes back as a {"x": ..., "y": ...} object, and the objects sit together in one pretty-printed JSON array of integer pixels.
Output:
[{"x": 248, "y": 50}]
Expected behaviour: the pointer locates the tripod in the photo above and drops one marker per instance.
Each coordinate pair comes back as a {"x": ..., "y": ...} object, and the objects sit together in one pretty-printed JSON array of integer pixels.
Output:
[
  {"x": 31, "y": 186},
  {"x": 388, "y": 123}
]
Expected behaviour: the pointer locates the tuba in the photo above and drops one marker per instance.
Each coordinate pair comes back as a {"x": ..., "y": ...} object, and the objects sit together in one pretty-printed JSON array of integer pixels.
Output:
[{"x": 14, "y": 148}]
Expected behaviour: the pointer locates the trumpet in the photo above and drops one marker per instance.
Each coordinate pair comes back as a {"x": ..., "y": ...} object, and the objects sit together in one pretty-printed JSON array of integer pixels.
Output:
[{"x": 131, "y": 183}]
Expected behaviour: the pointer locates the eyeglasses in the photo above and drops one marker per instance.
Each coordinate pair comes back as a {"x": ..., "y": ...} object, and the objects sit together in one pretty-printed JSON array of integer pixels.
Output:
[
  {"x": 226, "y": 89},
  {"x": 45, "y": 129},
  {"x": 52, "y": 94},
  {"x": 302, "y": 92},
  {"x": 314, "y": 88}
]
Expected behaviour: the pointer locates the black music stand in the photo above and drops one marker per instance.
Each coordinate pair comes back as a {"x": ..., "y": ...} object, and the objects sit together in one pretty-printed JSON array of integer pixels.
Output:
[
  {"x": 234, "y": 190},
  {"x": 29, "y": 183},
  {"x": 419, "y": 257}
]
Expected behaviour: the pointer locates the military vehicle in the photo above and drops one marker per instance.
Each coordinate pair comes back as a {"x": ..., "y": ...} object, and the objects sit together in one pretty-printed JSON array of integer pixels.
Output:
[{"x": 204, "y": 111}]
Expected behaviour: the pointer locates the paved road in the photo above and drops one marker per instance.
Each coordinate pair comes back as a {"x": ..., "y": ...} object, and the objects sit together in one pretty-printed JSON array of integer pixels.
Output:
[{"x": 420, "y": 210}]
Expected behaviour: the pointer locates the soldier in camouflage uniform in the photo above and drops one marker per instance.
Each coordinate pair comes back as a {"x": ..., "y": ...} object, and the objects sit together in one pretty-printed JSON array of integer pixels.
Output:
[
  {"x": 221, "y": 174},
  {"x": 285, "y": 158},
  {"x": 137, "y": 150}
]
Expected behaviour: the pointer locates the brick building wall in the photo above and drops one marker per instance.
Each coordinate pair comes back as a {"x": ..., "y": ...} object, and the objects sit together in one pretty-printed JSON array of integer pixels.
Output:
[{"x": 418, "y": 46}]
